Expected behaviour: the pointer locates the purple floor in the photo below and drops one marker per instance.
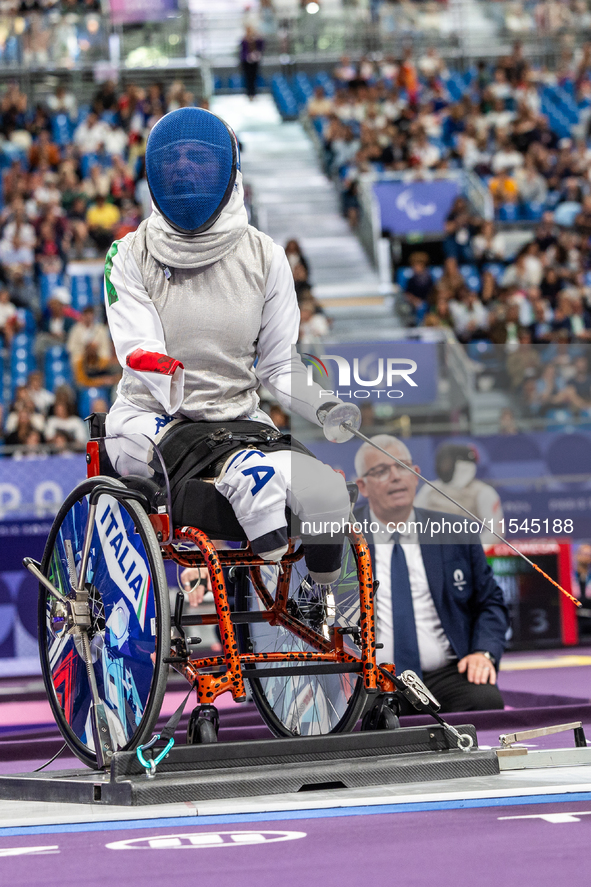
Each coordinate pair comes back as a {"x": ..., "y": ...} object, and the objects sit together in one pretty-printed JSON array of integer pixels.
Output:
[
  {"x": 452, "y": 848},
  {"x": 411, "y": 847}
]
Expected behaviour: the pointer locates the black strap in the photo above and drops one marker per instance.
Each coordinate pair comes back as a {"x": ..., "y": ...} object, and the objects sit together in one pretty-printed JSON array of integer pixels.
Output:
[{"x": 173, "y": 722}]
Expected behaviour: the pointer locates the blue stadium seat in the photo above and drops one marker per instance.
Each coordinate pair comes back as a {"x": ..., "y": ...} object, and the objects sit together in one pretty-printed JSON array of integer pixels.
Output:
[
  {"x": 57, "y": 368},
  {"x": 236, "y": 81},
  {"x": 48, "y": 283},
  {"x": 26, "y": 316},
  {"x": 22, "y": 360},
  {"x": 532, "y": 211},
  {"x": 284, "y": 97},
  {"x": 508, "y": 212},
  {"x": 86, "y": 397},
  {"x": 61, "y": 129},
  {"x": 561, "y": 420},
  {"x": 326, "y": 82},
  {"x": 495, "y": 268},
  {"x": 471, "y": 276},
  {"x": 302, "y": 88},
  {"x": 403, "y": 275},
  {"x": 89, "y": 160},
  {"x": 82, "y": 291}
]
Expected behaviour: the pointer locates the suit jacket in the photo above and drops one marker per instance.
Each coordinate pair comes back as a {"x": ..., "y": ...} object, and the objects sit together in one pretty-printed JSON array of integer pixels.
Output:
[{"x": 465, "y": 593}]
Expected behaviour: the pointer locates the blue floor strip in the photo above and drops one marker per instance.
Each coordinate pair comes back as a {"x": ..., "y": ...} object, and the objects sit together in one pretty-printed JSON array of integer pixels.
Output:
[{"x": 286, "y": 815}]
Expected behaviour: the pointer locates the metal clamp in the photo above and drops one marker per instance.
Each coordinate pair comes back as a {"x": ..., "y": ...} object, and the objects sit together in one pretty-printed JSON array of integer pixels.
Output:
[
  {"x": 507, "y": 739},
  {"x": 150, "y": 764}
]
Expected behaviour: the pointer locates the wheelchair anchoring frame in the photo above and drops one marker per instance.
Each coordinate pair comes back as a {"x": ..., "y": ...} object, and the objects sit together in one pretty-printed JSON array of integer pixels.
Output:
[{"x": 328, "y": 651}]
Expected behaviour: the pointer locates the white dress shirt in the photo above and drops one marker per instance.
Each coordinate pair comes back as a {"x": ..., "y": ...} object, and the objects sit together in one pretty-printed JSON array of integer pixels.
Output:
[{"x": 434, "y": 648}]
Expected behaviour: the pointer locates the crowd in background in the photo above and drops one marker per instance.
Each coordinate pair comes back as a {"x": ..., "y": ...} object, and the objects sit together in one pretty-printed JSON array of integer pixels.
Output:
[
  {"x": 74, "y": 181},
  {"x": 399, "y": 115}
]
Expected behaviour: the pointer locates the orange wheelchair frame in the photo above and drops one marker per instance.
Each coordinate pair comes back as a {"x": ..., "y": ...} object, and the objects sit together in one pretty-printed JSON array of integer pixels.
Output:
[{"x": 329, "y": 651}]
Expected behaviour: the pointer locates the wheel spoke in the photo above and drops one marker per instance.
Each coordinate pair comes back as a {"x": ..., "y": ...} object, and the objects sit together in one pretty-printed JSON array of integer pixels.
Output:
[{"x": 307, "y": 703}]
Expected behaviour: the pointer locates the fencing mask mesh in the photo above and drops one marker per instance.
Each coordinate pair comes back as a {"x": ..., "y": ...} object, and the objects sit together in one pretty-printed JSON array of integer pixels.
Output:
[{"x": 191, "y": 162}]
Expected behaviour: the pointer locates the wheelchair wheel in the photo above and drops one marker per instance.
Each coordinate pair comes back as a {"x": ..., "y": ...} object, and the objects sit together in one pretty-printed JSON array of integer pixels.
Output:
[
  {"x": 129, "y": 633},
  {"x": 305, "y": 704}
]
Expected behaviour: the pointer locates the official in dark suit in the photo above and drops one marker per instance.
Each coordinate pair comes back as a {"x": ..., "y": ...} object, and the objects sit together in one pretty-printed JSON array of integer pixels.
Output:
[{"x": 439, "y": 610}]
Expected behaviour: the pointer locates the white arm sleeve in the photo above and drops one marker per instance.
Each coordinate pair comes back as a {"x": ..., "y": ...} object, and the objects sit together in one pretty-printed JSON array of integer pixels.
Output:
[
  {"x": 134, "y": 323},
  {"x": 279, "y": 367}
]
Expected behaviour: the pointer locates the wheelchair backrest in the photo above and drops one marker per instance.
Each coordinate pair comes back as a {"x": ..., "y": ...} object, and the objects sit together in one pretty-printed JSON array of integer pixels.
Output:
[{"x": 138, "y": 463}]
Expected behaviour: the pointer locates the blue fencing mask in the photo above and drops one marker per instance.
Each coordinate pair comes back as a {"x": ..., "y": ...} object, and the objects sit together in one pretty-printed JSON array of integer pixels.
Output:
[{"x": 191, "y": 163}]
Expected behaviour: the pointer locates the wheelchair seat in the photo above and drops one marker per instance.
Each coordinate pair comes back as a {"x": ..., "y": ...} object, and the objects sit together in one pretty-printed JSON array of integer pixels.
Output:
[{"x": 194, "y": 503}]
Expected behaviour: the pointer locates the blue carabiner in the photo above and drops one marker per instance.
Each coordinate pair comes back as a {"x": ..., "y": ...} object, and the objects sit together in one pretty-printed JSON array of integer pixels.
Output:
[{"x": 150, "y": 765}]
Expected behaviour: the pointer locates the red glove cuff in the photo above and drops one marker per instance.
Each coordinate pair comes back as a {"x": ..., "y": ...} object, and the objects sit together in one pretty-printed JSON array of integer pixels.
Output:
[{"x": 152, "y": 362}]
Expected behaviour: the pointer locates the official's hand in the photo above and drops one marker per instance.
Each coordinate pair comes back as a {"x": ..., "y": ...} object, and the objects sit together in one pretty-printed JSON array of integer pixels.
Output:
[
  {"x": 480, "y": 670},
  {"x": 195, "y": 592}
]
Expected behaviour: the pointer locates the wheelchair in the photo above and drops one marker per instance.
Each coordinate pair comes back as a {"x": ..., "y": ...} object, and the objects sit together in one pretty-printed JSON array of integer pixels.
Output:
[{"x": 107, "y": 635}]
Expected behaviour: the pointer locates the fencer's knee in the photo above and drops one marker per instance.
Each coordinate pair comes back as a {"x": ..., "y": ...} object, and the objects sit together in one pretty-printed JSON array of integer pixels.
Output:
[{"x": 324, "y": 494}]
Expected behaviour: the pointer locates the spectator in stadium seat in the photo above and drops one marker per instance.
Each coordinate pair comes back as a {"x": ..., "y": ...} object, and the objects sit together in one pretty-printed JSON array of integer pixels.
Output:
[
  {"x": 64, "y": 418},
  {"x": 431, "y": 64},
  {"x": 469, "y": 316},
  {"x": 531, "y": 185},
  {"x": 541, "y": 328},
  {"x": 424, "y": 153},
  {"x": 44, "y": 150},
  {"x": 89, "y": 330},
  {"x": 98, "y": 181},
  {"x": 30, "y": 443},
  {"x": 345, "y": 72},
  {"x": 508, "y": 422},
  {"x": 279, "y": 417},
  {"x": 10, "y": 323},
  {"x": 122, "y": 186},
  {"x": 131, "y": 216},
  {"x": 523, "y": 273},
  {"x": 91, "y": 370},
  {"x": 319, "y": 105},
  {"x": 63, "y": 444},
  {"x": 582, "y": 221},
  {"x": 460, "y": 226},
  {"x": 18, "y": 242},
  {"x": 488, "y": 245},
  {"x": 22, "y": 418},
  {"x": 105, "y": 98},
  {"x": 63, "y": 102},
  {"x": 419, "y": 286},
  {"x": 407, "y": 78},
  {"x": 546, "y": 233},
  {"x": 503, "y": 188},
  {"x": 439, "y": 315},
  {"x": 90, "y": 135},
  {"x": 506, "y": 157},
  {"x": 40, "y": 396},
  {"x": 56, "y": 322},
  {"x": 314, "y": 326},
  {"x": 296, "y": 257},
  {"x": 102, "y": 219}
]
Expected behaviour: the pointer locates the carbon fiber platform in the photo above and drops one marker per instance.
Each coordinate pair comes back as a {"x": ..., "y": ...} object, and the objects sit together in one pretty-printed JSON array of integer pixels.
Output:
[{"x": 247, "y": 769}]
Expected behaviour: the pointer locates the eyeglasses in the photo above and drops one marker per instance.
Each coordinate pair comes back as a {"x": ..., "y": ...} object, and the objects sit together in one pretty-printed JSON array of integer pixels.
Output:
[{"x": 382, "y": 473}]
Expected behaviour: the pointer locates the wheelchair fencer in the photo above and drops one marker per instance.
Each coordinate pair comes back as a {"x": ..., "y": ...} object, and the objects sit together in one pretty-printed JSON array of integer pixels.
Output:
[{"x": 107, "y": 636}]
